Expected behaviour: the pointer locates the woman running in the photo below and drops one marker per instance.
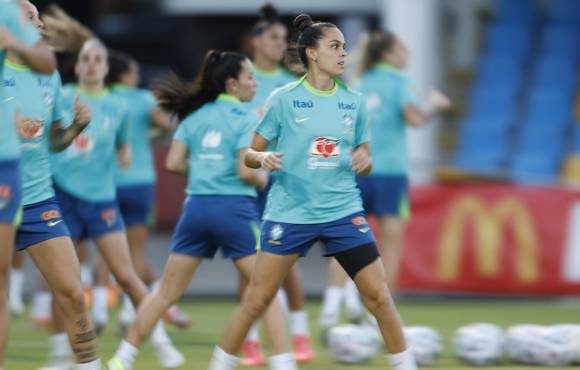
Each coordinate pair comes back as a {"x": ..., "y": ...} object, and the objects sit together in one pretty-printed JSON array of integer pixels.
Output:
[
  {"x": 320, "y": 126},
  {"x": 269, "y": 45},
  {"x": 136, "y": 186},
  {"x": 220, "y": 209},
  {"x": 19, "y": 36},
  {"x": 85, "y": 186}
]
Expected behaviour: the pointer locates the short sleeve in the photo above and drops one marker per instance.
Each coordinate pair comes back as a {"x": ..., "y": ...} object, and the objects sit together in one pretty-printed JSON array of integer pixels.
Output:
[
  {"x": 247, "y": 133},
  {"x": 269, "y": 126},
  {"x": 181, "y": 134},
  {"x": 406, "y": 95},
  {"x": 58, "y": 111},
  {"x": 362, "y": 129}
]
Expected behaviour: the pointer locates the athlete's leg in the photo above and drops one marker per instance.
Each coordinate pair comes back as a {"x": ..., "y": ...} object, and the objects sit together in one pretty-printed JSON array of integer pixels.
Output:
[
  {"x": 7, "y": 233},
  {"x": 137, "y": 237},
  {"x": 390, "y": 238},
  {"x": 68, "y": 293}
]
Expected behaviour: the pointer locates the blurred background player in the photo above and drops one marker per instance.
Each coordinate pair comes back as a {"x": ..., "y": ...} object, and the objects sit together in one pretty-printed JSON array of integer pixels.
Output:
[
  {"x": 85, "y": 187},
  {"x": 393, "y": 105},
  {"x": 269, "y": 41},
  {"x": 19, "y": 36},
  {"x": 136, "y": 185},
  {"x": 321, "y": 129},
  {"x": 220, "y": 209}
]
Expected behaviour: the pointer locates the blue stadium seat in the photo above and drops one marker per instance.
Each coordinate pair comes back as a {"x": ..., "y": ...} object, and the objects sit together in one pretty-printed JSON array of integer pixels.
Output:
[
  {"x": 541, "y": 138},
  {"x": 497, "y": 69},
  {"x": 565, "y": 11},
  {"x": 517, "y": 11},
  {"x": 535, "y": 167},
  {"x": 508, "y": 41},
  {"x": 576, "y": 141},
  {"x": 557, "y": 72},
  {"x": 561, "y": 41},
  {"x": 493, "y": 100}
]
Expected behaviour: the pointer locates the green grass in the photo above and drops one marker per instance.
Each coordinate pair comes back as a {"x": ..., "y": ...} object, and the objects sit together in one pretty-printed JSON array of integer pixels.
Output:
[{"x": 27, "y": 349}]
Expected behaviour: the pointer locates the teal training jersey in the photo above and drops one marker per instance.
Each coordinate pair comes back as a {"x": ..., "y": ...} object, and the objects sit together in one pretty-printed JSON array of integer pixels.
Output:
[
  {"x": 388, "y": 91},
  {"x": 139, "y": 104},
  {"x": 214, "y": 135},
  {"x": 268, "y": 82},
  {"x": 316, "y": 131},
  {"x": 37, "y": 99},
  {"x": 11, "y": 18},
  {"x": 86, "y": 169}
]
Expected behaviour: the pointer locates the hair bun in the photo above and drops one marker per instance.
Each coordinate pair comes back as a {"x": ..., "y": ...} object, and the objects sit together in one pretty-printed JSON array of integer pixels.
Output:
[
  {"x": 302, "y": 22},
  {"x": 213, "y": 56},
  {"x": 268, "y": 13}
]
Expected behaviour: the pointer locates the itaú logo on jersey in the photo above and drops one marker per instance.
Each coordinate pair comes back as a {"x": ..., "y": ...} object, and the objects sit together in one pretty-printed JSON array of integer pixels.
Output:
[
  {"x": 212, "y": 139},
  {"x": 346, "y": 106},
  {"x": 302, "y": 104}
]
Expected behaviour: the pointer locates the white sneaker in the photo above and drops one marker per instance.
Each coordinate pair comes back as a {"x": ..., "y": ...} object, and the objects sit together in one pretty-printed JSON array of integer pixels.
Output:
[
  {"x": 168, "y": 356},
  {"x": 59, "y": 364},
  {"x": 16, "y": 307}
]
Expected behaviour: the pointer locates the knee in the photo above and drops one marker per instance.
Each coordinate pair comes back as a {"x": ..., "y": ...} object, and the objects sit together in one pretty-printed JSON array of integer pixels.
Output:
[
  {"x": 378, "y": 299},
  {"x": 72, "y": 297},
  {"x": 255, "y": 303}
]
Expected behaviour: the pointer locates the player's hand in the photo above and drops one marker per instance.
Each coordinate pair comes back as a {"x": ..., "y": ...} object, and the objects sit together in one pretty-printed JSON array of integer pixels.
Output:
[
  {"x": 361, "y": 159},
  {"x": 438, "y": 100},
  {"x": 271, "y": 161},
  {"x": 82, "y": 113},
  {"x": 7, "y": 40}
]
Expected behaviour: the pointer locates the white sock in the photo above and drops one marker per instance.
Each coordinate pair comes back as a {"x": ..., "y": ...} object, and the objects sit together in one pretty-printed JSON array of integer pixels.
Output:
[
  {"x": 331, "y": 306},
  {"x": 60, "y": 346},
  {"x": 403, "y": 361},
  {"x": 41, "y": 304},
  {"x": 221, "y": 360},
  {"x": 299, "y": 323},
  {"x": 159, "y": 336},
  {"x": 352, "y": 301},
  {"x": 93, "y": 365},
  {"x": 16, "y": 283},
  {"x": 100, "y": 312},
  {"x": 127, "y": 314},
  {"x": 127, "y": 354},
  {"x": 284, "y": 361},
  {"x": 283, "y": 300},
  {"x": 254, "y": 333},
  {"x": 86, "y": 275}
]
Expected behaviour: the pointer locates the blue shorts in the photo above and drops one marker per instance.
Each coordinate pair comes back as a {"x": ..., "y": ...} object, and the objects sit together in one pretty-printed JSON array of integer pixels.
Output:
[
  {"x": 208, "y": 222},
  {"x": 89, "y": 220},
  {"x": 385, "y": 195},
  {"x": 136, "y": 204},
  {"x": 41, "y": 221},
  {"x": 337, "y": 236},
  {"x": 10, "y": 191},
  {"x": 263, "y": 197}
]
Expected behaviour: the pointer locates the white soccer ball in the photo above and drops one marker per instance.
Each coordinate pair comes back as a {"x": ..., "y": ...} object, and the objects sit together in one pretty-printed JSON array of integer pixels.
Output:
[
  {"x": 353, "y": 344},
  {"x": 425, "y": 342},
  {"x": 479, "y": 344},
  {"x": 543, "y": 345},
  {"x": 572, "y": 333}
]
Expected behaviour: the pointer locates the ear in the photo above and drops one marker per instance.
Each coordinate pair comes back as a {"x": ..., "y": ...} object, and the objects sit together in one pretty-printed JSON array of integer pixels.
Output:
[
  {"x": 231, "y": 85},
  {"x": 311, "y": 54}
]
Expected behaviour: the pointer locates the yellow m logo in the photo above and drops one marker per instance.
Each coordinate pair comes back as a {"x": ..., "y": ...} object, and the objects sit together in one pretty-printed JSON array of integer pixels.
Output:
[{"x": 489, "y": 222}]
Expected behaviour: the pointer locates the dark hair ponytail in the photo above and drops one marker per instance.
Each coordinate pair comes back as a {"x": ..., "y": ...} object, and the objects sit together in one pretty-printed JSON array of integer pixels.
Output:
[
  {"x": 309, "y": 34},
  {"x": 119, "y": 64},
  {"x": 268, "y": 17},
  {"x": 378, "y": 43},
  {"x": 183, "y": 98}
]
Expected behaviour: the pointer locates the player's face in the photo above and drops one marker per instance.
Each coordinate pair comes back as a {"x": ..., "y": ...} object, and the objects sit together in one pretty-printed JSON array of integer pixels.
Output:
[
  {"x": 92, "y": 66},
  {"x": 399, "y": 54},
  {"x": 331, "y": 53},
  {"x": 272, "y": 42},
  {"x": 131, "y": 77},
  {"x": 31, "y": 14},
  {"x": 246, "y": 84}
]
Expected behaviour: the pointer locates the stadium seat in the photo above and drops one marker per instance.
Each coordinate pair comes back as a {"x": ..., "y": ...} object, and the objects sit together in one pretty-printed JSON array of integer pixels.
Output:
[
  {"x": 565, "y": 11},
  {"x": 555, "y": 72},
  {"x": 561, "y": 41},
  {"x": 550, "y": 105},
  {"x": 517, "y": 11},
  {"x": 545, "y": 139},
  {"x": 535, "y": 167},
  {"x": 508, "y": 41}
]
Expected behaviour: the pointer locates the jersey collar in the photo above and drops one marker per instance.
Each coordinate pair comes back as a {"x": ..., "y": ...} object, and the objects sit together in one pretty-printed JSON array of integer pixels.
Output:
[
  {"x": 263, "y": 73},
  {"x": 229, "y": 98},
  {"x": 387, "y": 67},
  {"x": 17, "y": 67},
  {"x": 315, "y": 91}
]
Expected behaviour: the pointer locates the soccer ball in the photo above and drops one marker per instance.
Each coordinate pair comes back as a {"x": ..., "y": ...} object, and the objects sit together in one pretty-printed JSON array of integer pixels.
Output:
[
  {"x": 353, "y": 344},
  {"x": 543, "y": 345},
  {"x": 479, "y": 344},
  {"x": 425, "y": 342}
]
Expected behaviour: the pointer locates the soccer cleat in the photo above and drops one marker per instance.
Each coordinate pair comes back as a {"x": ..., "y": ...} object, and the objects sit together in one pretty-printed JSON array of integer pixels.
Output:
[
  {"x": 116, "y": 364},
  {"x": 168, "y": 356},
  {"x": 178, "y": 318},
  {"x": 252, "y": 354},
  {"x": 303, "y": 351}
]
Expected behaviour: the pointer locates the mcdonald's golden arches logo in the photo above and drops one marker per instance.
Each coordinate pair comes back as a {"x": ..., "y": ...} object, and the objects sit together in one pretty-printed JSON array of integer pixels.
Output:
[{"x": 490, "y": 221}]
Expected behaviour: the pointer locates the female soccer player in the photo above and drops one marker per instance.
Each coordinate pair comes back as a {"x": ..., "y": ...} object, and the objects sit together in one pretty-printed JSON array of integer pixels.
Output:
[
  {"x": 136, "y": 186},
  {"x": 85, "y": 186},
  {"x": 220, "y": 209},
  {"x": 320, "y": 126},
  {"x": 269, "y": 44},
  {"x": 19, "y": 36}
]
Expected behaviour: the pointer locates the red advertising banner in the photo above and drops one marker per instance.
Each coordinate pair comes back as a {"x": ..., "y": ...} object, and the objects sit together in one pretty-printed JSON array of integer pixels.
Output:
[{"x": 493, "y": 239}]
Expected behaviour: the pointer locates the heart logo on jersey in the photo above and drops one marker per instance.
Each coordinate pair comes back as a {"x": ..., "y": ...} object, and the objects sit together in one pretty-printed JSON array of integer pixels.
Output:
[
  {"x": 325, "y": 147},
  {"x": 83, "y": 143}
]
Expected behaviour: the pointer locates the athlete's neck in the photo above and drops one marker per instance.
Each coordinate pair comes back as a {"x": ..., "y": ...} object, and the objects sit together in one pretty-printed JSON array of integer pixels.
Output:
[
  {"x": 265, "y": 64},
  {"x": 95, "y": 88},
  {"x": 320, "y": 80}
]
